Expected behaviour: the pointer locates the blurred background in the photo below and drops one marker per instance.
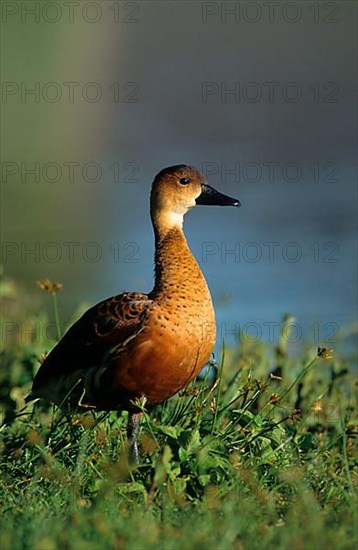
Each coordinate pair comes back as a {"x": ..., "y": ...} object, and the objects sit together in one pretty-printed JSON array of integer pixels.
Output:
[{"x": 97, "y": 97}]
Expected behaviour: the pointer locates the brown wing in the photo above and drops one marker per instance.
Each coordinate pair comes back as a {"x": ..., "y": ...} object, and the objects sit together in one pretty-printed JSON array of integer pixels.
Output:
[{"x": 87, "y": 341}]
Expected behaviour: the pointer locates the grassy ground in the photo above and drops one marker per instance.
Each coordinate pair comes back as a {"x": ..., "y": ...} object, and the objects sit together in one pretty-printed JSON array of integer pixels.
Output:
[{"x": 242, "y": 460}]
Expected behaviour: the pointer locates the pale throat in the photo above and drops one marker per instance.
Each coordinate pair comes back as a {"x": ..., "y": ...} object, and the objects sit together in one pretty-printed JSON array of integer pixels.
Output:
[
  {"x": 167, "y": 220},
  {"x": 174, "y": 219}
]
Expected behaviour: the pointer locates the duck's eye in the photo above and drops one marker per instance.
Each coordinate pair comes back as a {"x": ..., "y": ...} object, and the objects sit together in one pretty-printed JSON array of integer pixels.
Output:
[{"x": 184, "y": 181}]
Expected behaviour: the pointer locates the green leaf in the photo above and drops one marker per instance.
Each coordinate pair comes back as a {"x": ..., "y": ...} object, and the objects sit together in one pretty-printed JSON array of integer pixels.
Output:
[
  {"x": 171, "y": 431},
  {"x": 194, "y": 442},
  {"x": 182, "y": 454}
]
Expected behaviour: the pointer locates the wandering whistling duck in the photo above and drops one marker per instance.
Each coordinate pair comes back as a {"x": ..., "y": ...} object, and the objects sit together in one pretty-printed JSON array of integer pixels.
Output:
[{"x": 138, "y": 345}]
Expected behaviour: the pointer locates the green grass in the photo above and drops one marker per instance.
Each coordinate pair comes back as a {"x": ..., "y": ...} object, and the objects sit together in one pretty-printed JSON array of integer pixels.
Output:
[{"x": 243, "y": 461}]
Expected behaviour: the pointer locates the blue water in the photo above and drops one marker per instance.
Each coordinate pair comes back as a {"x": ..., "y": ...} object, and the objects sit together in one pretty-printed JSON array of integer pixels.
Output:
[{"x": 169, "y": 54}]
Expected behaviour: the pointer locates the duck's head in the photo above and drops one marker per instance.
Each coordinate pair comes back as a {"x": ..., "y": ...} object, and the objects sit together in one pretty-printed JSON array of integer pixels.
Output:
[{"x": 177, "y": 189}]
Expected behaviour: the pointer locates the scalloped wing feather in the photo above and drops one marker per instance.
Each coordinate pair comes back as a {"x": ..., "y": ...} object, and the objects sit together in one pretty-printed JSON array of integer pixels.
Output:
[{"x": 86, "y": 343}]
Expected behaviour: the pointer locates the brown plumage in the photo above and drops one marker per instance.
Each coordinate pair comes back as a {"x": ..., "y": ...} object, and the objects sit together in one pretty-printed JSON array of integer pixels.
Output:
[{"x": 134, "y": 345}]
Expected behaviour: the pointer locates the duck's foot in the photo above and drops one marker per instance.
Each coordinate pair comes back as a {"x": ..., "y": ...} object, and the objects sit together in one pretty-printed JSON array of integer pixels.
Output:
[{"x": 133, "y": 429}]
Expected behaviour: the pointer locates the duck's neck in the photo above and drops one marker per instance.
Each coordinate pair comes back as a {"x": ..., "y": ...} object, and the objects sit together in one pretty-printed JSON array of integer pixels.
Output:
[{"x": 175, "y": 265}]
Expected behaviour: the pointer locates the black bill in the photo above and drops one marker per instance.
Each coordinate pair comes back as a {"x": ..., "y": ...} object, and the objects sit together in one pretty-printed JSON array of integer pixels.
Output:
[{"x": 210, "y": 196}]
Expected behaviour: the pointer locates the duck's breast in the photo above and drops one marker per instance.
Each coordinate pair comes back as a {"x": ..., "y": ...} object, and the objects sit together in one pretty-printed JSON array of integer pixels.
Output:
[{"x": 169, "y": 351}]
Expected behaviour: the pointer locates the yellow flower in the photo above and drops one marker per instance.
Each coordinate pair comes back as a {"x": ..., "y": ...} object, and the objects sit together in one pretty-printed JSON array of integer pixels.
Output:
[
  {"x": 50, "y": 286},
  {"x": 325, "y": 353},
  {"x": 317, "y": 405}
]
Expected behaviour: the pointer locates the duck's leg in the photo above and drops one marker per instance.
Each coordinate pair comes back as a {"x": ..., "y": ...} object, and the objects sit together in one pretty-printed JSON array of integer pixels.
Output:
[{"x": 133, "y": 428}]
